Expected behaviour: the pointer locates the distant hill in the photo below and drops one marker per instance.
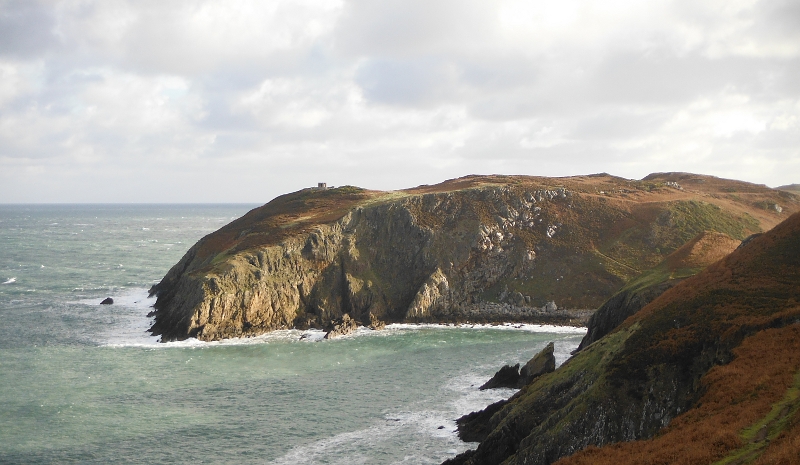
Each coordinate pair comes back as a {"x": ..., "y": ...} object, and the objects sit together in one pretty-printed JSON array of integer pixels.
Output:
[
  {"x": 793, "y": 188},
  {"x": 477, "y": 248},
  {"x": 709, "y": 372}
]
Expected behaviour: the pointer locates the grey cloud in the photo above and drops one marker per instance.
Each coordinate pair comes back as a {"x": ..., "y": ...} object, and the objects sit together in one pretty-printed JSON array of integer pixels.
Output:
[
  {"x": 778, "y": 18},
  {"x": 617, "y": 124},
  {"x": 26, "y": 28},
  {"x": 404, "y": 27},
  {"x": 643, "y": 79},
  {"x": 410, "y": 83}
]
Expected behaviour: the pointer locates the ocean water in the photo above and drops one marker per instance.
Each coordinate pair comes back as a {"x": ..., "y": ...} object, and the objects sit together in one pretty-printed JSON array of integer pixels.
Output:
[{"x": 84, "y": 383}]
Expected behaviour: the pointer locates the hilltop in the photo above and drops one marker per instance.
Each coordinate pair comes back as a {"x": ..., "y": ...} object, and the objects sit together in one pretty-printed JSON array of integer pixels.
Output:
[
  {"x": 478, "y": 248},
  {"x": 709, "y": 372},
  {"x": 793, "y": 188}
]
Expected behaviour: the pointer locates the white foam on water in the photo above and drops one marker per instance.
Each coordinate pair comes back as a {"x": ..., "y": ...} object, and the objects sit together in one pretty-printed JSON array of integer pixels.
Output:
[
  {"x": 10, "y": 281},
  {"x": 402, "y": 437},
  {"x": 295, "y": 335},
  {"x": 533, "y": 328},
  {"x": 426, "y": 436},
  {"x": 127, "y": 318}
]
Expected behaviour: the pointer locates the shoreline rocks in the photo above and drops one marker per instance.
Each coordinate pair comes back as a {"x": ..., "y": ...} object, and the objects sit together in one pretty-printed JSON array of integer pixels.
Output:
[
  {"x": 341, "y": 327},
  {"x": 516, "y": 378}
]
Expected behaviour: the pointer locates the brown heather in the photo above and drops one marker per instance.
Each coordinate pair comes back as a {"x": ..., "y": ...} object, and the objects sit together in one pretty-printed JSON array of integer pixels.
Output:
[
  {"x": 738, "y": 395},
  {"x": 751, "y": 296}
]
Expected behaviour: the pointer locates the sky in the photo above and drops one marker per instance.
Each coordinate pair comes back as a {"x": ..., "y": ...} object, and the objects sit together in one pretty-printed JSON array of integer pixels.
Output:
[{"x": 244, "y": 100}]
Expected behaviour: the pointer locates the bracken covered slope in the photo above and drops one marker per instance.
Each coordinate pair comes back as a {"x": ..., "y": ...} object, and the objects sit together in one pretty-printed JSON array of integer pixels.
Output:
[
  {"x": 709, "y": 372},
  {"x": 480, "y": 248}
]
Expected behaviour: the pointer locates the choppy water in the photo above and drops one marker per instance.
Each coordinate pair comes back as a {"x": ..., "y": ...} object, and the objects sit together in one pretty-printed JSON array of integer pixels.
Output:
[{"x": 84, "y": 383}]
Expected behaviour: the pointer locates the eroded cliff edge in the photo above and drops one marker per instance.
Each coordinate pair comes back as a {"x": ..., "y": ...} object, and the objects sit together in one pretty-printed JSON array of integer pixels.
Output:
[{"x": 491, "y": 248}]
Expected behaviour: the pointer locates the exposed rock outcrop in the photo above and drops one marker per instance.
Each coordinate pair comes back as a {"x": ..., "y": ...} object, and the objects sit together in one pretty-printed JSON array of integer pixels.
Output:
[
  {"x": 341, "y": 327},
  {"x": 514, "y": 377},
  {"x": 542, "y": 363},
  {"x": 506, "y": 377},
  {"x": 618, "y": 308},
  {"x": 107, "y": 301},
  {"x": 375, "y": 323}
]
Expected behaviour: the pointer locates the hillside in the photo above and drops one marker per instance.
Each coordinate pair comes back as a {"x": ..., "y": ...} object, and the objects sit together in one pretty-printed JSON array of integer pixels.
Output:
[
  {"x": 479, "y": 248},
  {"x": 688, "y": 260},
  {"x": 709, "y": 372}
]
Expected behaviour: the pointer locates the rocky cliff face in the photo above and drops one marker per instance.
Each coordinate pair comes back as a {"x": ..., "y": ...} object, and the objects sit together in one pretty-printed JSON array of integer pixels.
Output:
[
  {"x": 654, "y": 370},
  {"x": 476, "y": 248}
]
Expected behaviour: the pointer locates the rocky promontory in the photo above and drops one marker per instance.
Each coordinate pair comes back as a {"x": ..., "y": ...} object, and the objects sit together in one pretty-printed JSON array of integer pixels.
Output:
[{"x": 477, "y": 249}]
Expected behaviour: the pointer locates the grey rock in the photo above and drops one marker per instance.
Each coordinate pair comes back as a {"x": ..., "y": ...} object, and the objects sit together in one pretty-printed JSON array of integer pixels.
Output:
[{"x": 542, "y": 363}]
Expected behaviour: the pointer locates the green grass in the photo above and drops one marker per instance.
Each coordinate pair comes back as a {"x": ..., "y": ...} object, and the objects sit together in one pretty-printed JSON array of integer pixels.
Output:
[{"x": 775, "y": 422}]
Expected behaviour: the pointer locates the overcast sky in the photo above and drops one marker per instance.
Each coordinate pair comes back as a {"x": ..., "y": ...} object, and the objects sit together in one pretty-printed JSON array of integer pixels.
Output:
[{"x": 241, "y": 101}]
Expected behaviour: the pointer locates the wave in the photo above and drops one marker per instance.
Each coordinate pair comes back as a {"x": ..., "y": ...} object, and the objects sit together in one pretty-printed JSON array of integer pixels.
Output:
[
  {"x": 318, "y": 336},
  {"x": 432, "y": 432},
  {"x": 529, "y": 327},
  {"x": 10, "y": 281}
]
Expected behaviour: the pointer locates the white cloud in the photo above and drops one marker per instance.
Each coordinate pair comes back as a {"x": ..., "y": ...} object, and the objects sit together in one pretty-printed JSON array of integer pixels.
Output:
[{"x": 222, "y": 101}]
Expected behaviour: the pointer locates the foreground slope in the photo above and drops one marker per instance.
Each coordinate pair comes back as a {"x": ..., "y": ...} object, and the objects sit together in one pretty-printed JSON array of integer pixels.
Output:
[
  {"x": 715, "y": 360},
  {"x": 479, "y": 248}
]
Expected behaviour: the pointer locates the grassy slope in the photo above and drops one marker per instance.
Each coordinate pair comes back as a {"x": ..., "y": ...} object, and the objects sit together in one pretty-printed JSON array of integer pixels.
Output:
[{"x": 749, "y": 406}]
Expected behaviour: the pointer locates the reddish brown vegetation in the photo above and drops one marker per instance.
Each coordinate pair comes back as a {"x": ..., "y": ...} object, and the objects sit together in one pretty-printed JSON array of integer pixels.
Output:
[
  {"x": 785, "y": 449},
  {"x": 750, "y": 300},
  {"x": 738, "y": 395},
  {"x": 283, "y": 217},
  {"x": 703, "y": 250}
]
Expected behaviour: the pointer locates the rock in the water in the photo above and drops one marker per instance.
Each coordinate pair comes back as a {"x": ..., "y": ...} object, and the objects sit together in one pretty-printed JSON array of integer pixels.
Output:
[
  {"x": 541, "y": 363},
  {"x": 107, "y": 301},
  {"x": 475, "y": 426},
  {"x": 513, "y": 377},
  {"x": 342, "y": 327},
  {"x": 375, "y": 323},
  {"x": 506, "y": 377}
]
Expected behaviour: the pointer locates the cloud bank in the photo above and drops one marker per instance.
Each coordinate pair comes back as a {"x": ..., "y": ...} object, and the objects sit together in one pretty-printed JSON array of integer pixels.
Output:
[{"x": 201, "y": 101}]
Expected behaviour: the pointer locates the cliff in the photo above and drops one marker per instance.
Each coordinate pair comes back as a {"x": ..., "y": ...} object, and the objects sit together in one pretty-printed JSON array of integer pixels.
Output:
[
  {"x": 480, "y": 248},
  {"x": 708, "y": 372}
]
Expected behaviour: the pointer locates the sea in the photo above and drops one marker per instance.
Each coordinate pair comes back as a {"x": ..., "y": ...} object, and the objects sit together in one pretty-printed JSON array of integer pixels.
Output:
[{"x": 86, "y": 383}]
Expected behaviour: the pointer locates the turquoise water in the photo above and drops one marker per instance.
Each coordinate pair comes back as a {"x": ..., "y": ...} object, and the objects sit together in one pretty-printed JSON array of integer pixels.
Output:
[{"x": 84, "y": 383}]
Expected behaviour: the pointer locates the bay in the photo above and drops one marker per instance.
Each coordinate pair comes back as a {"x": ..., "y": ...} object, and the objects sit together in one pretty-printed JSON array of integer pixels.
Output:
[{"x": 84, "y": 383}]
